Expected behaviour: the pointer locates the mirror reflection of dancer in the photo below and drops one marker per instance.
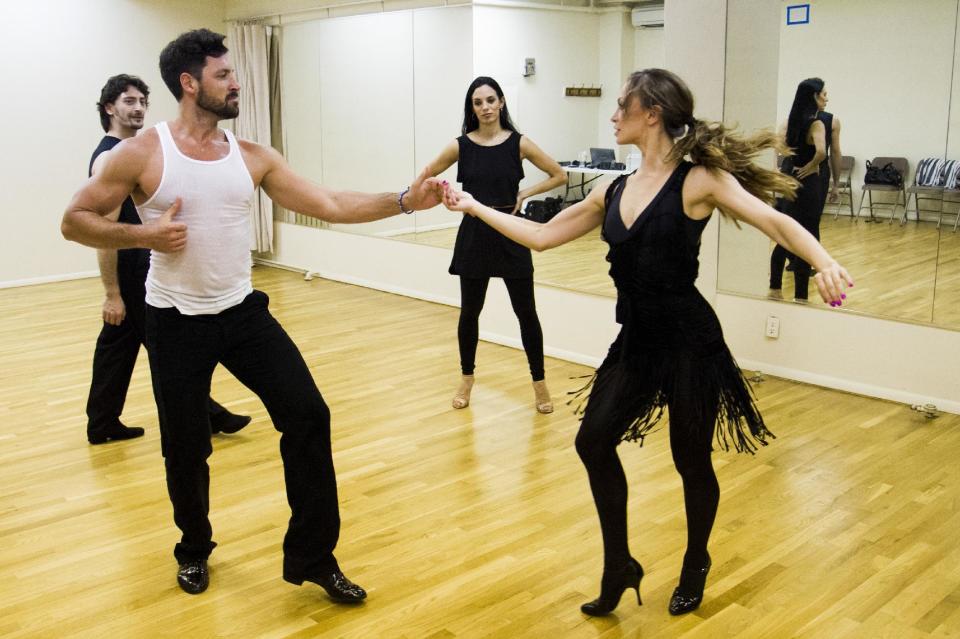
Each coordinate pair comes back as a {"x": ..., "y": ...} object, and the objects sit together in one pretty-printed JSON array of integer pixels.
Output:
[
  {"x": 806, "y": 137},
  {"x": 123, "y": 105},
  {"x": 193, "y": 183},
  {"x": 831, "y": 124},
  {"x": 489, "y": 156},
  {"x": 670, "y": 352}
]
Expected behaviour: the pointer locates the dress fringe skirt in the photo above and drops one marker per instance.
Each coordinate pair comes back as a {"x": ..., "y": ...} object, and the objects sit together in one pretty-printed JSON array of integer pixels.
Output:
[{"x": 643, "y": 384}]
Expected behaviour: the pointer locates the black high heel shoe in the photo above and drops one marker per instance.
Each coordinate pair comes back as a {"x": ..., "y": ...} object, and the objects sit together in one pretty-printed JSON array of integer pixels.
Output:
[
  {"x": 689, "y": 592},
  {"x": 611, "y": 589}
]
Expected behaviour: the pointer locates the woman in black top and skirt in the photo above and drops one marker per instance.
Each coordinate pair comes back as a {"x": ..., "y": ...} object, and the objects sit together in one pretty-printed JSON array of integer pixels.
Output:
[
  {"x": 670, "y": 352},
  {"x": 489, "y": 158},
  {"x": 806, "y": 137}
]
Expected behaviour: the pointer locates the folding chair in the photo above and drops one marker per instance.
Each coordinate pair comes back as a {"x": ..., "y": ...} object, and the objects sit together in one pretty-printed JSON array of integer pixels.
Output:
[
  {"x": 901, "y": 165},
  {"x": 844, "y": 188},
  {"x": 927, "y": 186}
]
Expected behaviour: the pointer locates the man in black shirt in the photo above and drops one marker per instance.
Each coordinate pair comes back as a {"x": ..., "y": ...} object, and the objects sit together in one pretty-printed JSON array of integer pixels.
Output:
[{"x": 122, "y": 107}]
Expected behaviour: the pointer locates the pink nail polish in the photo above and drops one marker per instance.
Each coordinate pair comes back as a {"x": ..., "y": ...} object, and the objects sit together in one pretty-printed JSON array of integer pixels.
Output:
[{"x": 843, "y": 296}]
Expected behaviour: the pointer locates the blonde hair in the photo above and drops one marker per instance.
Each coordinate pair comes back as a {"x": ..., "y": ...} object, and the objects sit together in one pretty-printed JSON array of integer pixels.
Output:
[{"x": 711, "y": 144}]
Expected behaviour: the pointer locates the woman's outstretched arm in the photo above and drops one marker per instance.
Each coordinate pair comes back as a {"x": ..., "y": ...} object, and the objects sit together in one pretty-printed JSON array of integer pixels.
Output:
[
  {"x": 719, "y": 189},
  {"x": 571, "y": 223}
]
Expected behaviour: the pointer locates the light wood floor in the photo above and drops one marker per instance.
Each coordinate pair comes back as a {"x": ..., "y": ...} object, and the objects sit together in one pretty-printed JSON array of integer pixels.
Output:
[{"x": 473, "y": 523}]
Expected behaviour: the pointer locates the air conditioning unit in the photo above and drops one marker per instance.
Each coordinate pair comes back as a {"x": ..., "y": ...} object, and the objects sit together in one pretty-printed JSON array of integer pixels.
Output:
[{"x": 647, "y": 17}]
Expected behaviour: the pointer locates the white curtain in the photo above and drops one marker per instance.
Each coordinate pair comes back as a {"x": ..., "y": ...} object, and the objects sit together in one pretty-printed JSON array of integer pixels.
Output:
[{"x": 250, "y": 51}]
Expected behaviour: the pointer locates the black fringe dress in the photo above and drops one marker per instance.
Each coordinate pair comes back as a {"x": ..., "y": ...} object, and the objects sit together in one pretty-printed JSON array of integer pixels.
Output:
[{"x": 670, "y": 347}]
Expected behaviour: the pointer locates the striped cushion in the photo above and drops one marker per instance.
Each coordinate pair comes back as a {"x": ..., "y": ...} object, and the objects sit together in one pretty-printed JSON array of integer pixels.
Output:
[
  {"x": 930, "y": 172},
  {"x": 951, "y": 174}
]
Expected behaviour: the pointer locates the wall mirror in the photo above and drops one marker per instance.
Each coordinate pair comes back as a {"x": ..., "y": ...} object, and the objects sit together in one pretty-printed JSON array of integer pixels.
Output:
[
  {"x": 893, "y": 84},
  {"x": 405, "y": 95}
]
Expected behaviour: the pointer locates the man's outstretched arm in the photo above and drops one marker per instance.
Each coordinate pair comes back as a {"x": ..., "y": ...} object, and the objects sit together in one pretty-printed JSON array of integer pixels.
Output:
[{"x": 299, "y": 194}]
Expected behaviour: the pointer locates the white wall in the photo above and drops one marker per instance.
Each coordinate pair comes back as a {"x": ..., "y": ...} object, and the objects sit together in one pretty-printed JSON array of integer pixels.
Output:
[
  {"x": 442, "y": 71},
  {"x": 694, "y": 49},
  {"x": 370, "y": 99},
  {"x": 55, "y": 56},
  {"x": 615, "y": 54},
  {"x": 564, "y": 45},
  {"x": 750, "y": 101},
  {"x": 648, "y": 48}
]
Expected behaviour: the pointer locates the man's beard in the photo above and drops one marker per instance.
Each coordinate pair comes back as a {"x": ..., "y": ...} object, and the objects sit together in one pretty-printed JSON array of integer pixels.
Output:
[
  {"x": 130, "y": 123},
  {"x": 224, "y": 110}
]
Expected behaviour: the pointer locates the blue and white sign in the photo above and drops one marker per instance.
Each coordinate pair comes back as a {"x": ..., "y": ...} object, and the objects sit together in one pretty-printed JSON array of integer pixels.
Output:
[{"x": 798, "y": 14}]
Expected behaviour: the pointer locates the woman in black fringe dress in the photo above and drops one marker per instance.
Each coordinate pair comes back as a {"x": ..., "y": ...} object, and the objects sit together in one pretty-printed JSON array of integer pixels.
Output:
[{"x": 670, "y": 353}]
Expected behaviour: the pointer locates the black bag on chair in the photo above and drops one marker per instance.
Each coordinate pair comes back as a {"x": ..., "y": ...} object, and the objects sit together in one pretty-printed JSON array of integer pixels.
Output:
[
  {"x": 886, "y": 174},
  {"x": 542, "y": 210}
]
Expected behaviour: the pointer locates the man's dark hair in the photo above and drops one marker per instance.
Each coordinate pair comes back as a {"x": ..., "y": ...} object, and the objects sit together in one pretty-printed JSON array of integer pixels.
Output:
[
  {"x": 188, "y": 54},
  {"x": 112, "y": 90}
]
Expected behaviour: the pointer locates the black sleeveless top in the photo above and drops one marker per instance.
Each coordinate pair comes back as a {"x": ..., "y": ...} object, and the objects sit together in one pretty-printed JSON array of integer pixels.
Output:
[
  {"x": 654, "y": 265},
  {"x": 132, "y": 263},
  {"x": 491, "y": 174},
  {"x": 827, "y": 119}
]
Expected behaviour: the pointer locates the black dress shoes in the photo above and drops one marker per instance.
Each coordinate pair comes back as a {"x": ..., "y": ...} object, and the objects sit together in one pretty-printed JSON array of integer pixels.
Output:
[
  {"x": 340, "y": 589},
  {"x": 193, "y": 576},
  {"x": 114, "y": 433},
  {"x": 227, "y": 422}
]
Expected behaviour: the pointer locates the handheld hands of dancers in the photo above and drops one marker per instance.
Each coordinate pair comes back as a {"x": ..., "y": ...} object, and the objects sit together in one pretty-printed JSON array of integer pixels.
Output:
[{"x": 423, "y": 193}]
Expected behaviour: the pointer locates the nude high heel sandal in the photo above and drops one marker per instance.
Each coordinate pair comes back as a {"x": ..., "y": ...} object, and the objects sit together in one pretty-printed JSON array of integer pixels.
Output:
[
  {"x": 462, "y": 398},
  {"x": 543, "y": 402}
]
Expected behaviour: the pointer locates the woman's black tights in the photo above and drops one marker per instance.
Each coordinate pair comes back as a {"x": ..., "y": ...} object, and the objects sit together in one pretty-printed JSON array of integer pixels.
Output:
[
  {"x": 596, "y": 444},
  {"x": 807, "y": 210},
  {"x": 473, "y": 292}
]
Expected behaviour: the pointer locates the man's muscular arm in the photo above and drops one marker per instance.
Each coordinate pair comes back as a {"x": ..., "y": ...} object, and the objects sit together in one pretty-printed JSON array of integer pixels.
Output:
[{"x": 86, "y": 219}]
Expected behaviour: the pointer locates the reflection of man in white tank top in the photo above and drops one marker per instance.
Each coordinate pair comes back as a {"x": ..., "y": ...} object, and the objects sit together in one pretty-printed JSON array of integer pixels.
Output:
[{"x": 192, "y": 183}]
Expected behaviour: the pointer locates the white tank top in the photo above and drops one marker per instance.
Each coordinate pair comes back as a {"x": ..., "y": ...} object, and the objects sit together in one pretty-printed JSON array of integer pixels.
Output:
[{"x": 212, "y": 273}]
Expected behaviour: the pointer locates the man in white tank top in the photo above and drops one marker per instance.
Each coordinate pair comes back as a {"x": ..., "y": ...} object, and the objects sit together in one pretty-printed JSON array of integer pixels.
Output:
[{"x": 192, "y": 183}]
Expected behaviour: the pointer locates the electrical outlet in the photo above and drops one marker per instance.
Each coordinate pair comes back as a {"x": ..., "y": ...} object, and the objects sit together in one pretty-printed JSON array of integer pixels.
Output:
[{"x": 773, "y": 327}]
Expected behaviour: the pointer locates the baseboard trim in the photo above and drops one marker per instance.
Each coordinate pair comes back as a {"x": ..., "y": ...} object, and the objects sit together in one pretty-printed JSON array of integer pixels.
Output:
[
  {"x": 360, "y": 281},
  {"x": 849, "y": 386},
  {"x": 48, "y": 279}
]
